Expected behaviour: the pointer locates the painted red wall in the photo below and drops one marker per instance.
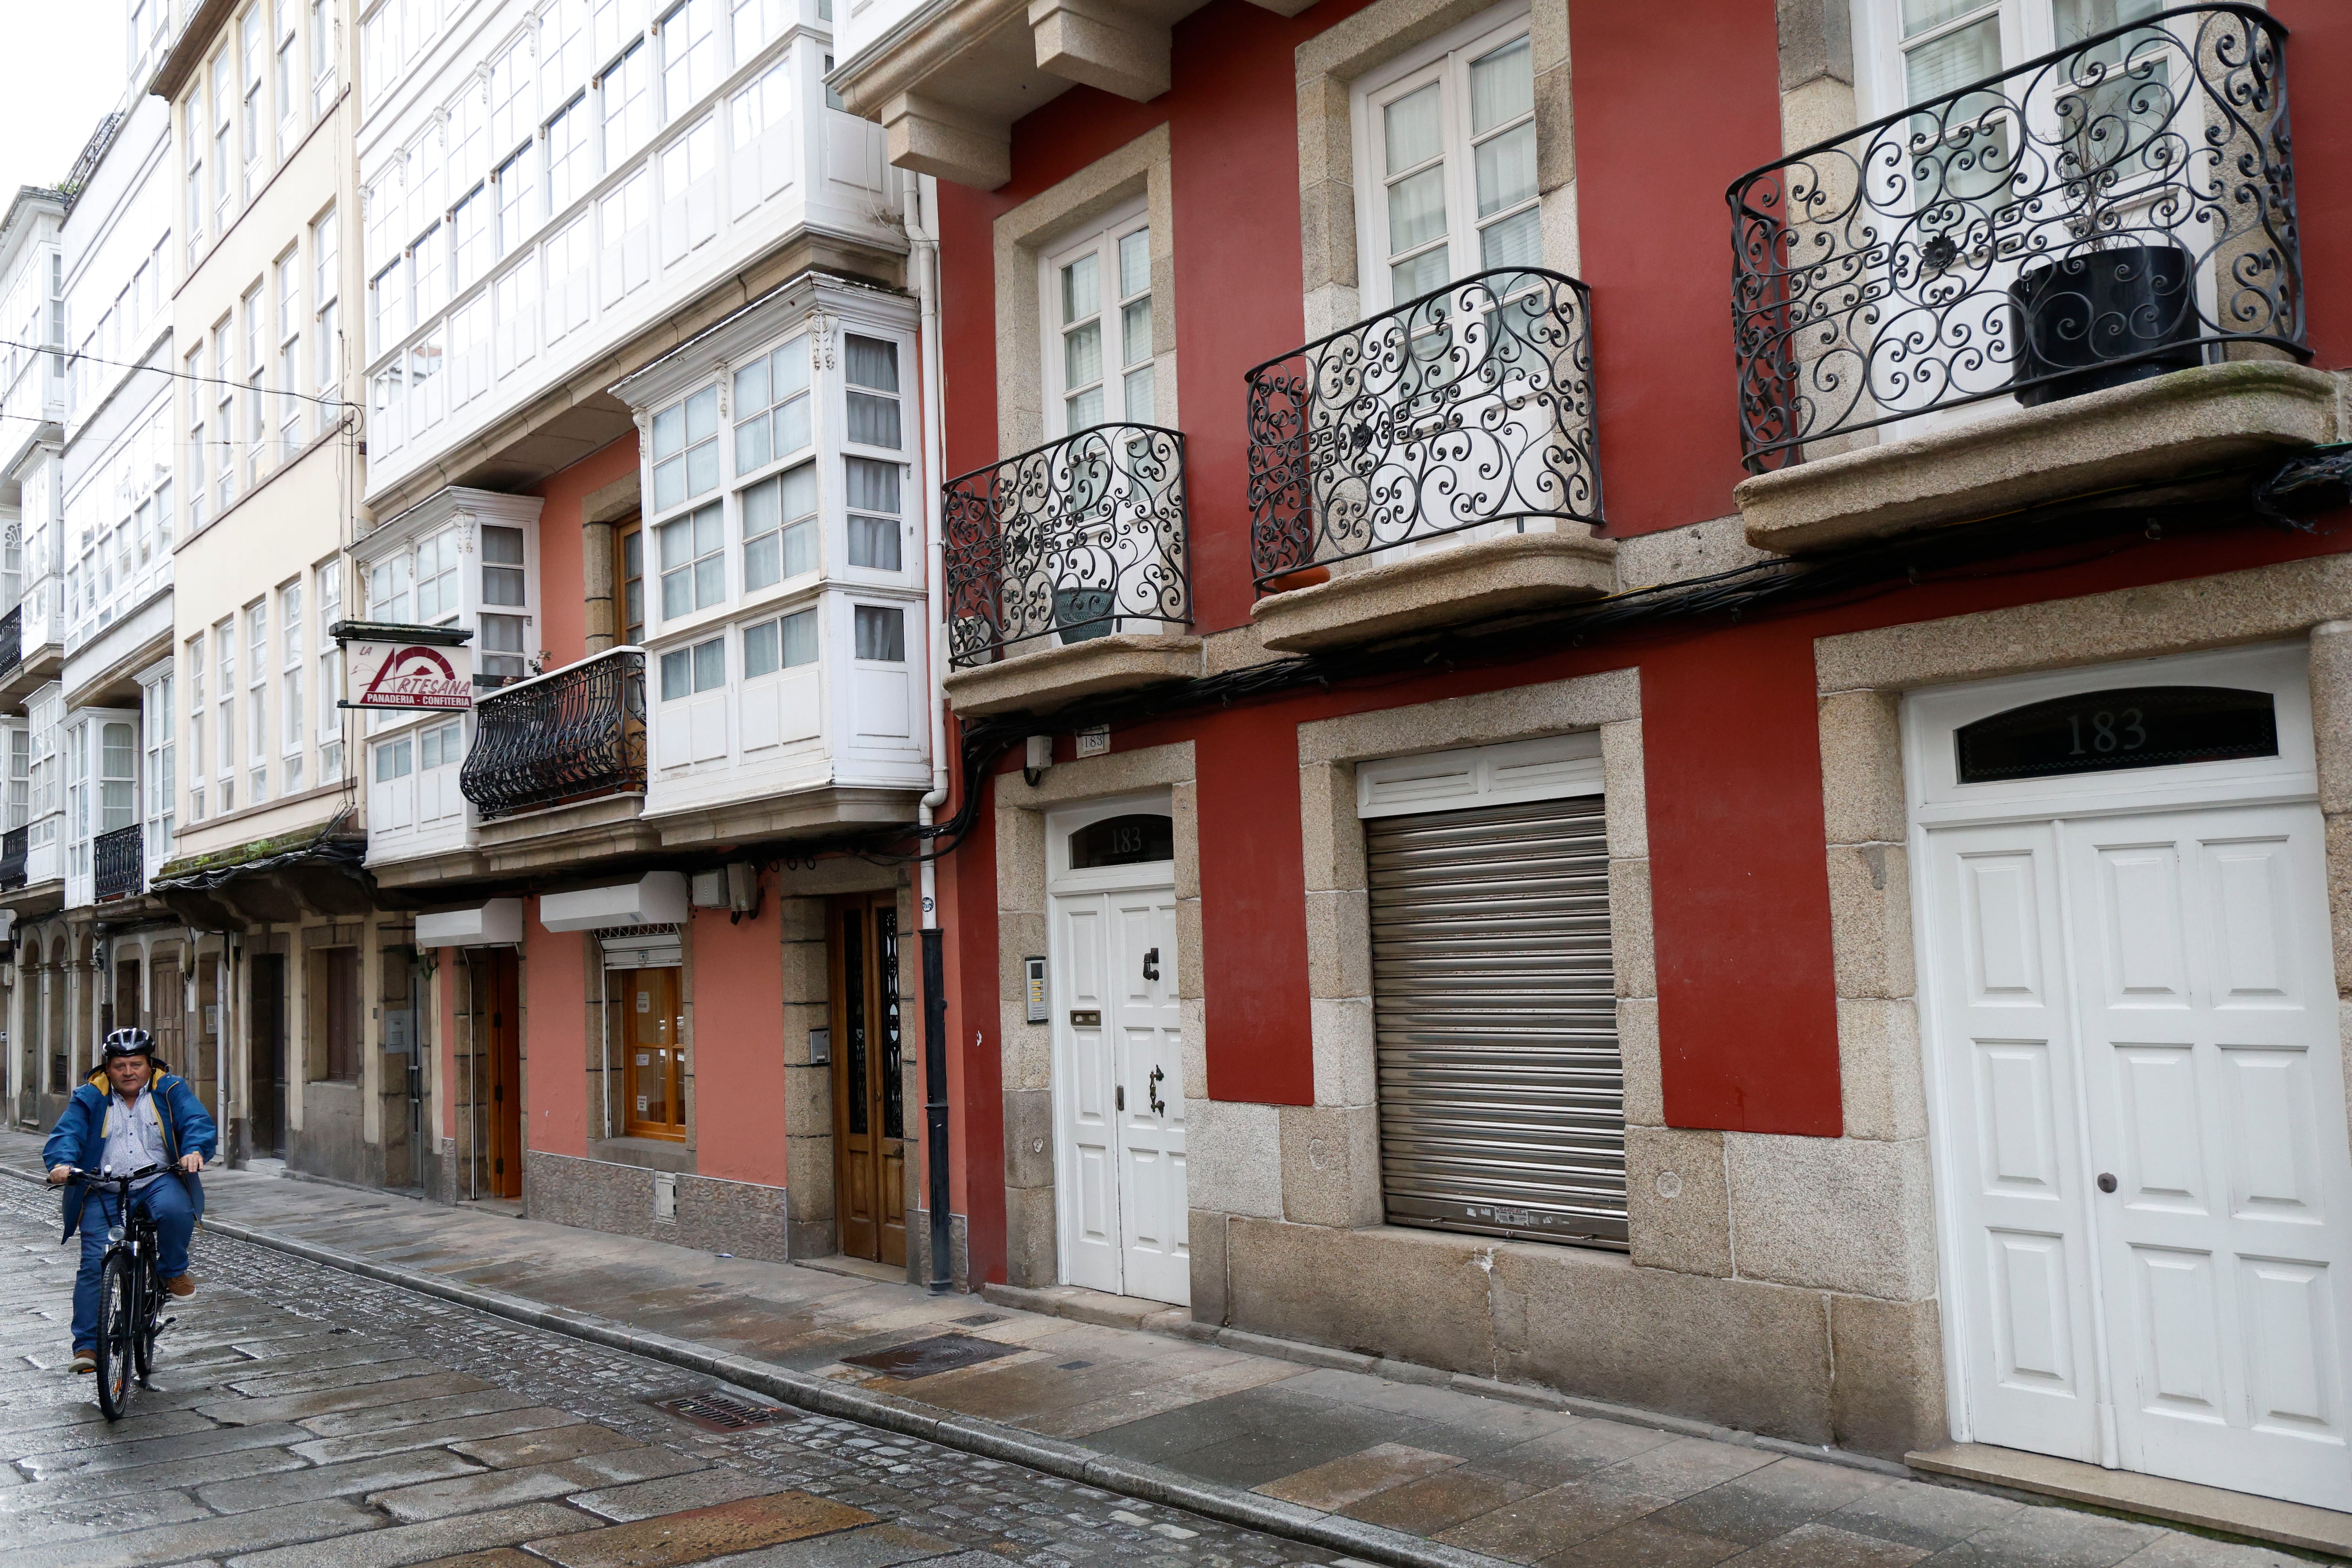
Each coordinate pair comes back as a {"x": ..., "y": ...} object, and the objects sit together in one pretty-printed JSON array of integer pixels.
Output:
[
  {"x": 555, "y": 1038},
  {"x": 562, "y": 582},
  {"x": 2317, "y": 51},
  {"x": 1673, "y": 103},
  {"x": 739, "y": 1046}
]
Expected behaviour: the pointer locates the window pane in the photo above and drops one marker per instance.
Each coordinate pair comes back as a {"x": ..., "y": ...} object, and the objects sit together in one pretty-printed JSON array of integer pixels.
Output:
[
  {"x": 752, "y": 448},
  {"x": 1138, "y": 396},
  {"x": 1409, "y": 280},
  {"x": 702, "y": 466},
  {"x": 677, "y": 675},
  {"x": 873, "y": 363},
  {"x": 2080, "y": 19},
  {"x": 791, "y": 368},
  {"x": 1953, "y": 60},
  {"x": 1415, "y": 130},
  {"x": 800, "y": 639},
  {"x": 873, "y": 487},
  {"x": 710, "y": 582},
  {"x": 760, "y": 509},
  {"x": 1084, "y": 410},
  {"x": 1134, "y": 262},
  {"x": 873, "y": 542},
  {"x": 677, "y": 542},
  {"x": 670, "y": 431},
  {"x": 1081, "y": 293},
  {"x": 763, "y": 562},
  {"x": 1516, "y": 241},
  {"x": 1507, "y": 169},
  {"x": 1416, "y": 211},
  {"x": 678, "y": 592},
  {"x": 1135, "y": 334},
  {"x": 874, "y": 421},
  {"x": 800, "y": 549},
  {"x": 1502, "y": 87},
  {"x": 1082, "y": 355},
  {"x": 706, "y": 521},
  {"x": 760, "y": 650},
  {"x": 751, "y": 387},
  {"x": 799, "y": 490},
  {"x": 702, "y": 414},
  {"x": 881, "y": 634},
  {"x": 710, "y": 663},
  {"x": 1922, "y": 15},
  {"x": 502, "y": 546},
  {"x": 792, "y": 426}
]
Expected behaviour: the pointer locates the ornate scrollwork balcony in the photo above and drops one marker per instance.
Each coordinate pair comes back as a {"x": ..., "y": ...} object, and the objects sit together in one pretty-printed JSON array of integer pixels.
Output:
[
  {"x": 1468, "y": 408},
  {"x": 119, "y": 863},
  {"x": 11, "y": 639},
  {"x": 2118, "y": 208},
  {"x": 15, "y": 850},
  {"x": 572, "y": 735},
  {"x": 1073, "y": 539}
]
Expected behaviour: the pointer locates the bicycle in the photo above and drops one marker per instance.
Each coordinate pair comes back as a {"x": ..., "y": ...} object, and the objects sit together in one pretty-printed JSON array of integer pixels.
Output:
[{"x": 129, "y": 1294}]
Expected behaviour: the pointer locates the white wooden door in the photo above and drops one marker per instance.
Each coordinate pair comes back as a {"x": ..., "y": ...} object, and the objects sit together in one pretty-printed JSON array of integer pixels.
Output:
[
  {"x": 1119, "y": 1093},
  {"x": 2145, "y": 1003}
]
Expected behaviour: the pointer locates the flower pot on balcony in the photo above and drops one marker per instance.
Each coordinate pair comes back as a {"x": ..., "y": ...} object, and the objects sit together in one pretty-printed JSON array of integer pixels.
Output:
[
  {"x": 1082, "y": 613},
  {"x": 2077, "y": 316},
  {"x": 1305, "y": 577}
]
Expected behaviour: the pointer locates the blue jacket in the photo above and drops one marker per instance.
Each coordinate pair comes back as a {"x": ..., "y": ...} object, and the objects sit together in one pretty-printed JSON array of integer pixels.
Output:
[{"x": 79, "y": 1136}]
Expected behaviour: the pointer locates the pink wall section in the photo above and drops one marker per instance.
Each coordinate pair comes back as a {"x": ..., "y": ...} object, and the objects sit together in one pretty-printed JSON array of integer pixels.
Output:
[
  {"x": 555, "y": 1038},
  {"x": 739, "y": 1053}
]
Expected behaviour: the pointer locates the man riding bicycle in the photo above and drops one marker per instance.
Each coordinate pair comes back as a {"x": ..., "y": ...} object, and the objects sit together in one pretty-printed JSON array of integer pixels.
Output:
[{"x": 133, "y": 1115}]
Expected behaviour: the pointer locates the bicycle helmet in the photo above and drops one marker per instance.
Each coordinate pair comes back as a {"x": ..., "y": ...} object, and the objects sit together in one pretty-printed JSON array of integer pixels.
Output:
[{"x": 132, "y": 1042}]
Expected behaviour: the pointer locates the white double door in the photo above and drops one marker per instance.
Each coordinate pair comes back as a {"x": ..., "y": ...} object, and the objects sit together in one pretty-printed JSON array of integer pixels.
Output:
[
  {"x": 2143, "y": 1143},
  {"x": 1119, "y": 1092}
]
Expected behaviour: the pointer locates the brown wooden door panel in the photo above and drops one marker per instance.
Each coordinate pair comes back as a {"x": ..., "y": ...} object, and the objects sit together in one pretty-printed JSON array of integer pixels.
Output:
[
  {"x": 653, "y": 1056},
  {"x": 869, "y": 1112}
]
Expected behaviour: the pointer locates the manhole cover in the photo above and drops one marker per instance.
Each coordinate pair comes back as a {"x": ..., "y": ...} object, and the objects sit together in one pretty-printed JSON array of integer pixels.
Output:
[
  {"x": 718, "y": 1413},
  {"x": 923, "y": 1357},
  {"x": 982, "y": 1319}
]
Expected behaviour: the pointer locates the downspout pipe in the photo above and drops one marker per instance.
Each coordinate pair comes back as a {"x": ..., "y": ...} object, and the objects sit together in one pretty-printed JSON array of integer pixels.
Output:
[{"x": 921, "y": 197}]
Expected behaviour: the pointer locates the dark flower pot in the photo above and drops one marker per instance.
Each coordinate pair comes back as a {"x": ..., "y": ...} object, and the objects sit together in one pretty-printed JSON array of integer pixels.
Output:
[
  {"x": 1081, "y": 614},
  {"x": 2078, "y": 316}
]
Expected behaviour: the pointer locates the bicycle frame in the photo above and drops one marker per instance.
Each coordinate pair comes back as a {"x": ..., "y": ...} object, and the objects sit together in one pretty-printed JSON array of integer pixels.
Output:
[{"x": 129, "y": 1259}]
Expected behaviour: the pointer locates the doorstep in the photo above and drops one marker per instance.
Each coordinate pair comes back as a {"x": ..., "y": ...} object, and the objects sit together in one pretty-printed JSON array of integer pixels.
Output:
[
  {"x": 2154, "y": 1497},
  {"x": 1099, "y": 1307}
]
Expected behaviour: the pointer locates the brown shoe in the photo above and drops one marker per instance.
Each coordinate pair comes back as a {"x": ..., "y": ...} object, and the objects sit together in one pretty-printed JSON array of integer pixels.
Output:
[
  {"x": 85, "y": 1362},
  {"x": 185, "y": 1285}
]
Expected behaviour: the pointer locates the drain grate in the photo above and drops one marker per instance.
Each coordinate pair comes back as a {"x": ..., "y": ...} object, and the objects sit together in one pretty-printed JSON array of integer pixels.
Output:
[
  {"x": 921, "y": 1358},
  {"x": 718, "y": 1413}
]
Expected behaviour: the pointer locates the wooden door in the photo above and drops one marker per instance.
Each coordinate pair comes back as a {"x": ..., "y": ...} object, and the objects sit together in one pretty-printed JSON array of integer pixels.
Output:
[
  {"x": 653, "y": 1030},
  {"x": 869, "y": 1113},
  {"x": 496, "y": 1004},
  {"x": 266, "y": 1053},
  {"x": 629, "y": 582}
]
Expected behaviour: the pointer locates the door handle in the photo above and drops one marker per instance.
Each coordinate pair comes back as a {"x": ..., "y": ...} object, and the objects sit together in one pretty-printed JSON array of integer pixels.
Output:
[
  {"x": 1120, "y": 1098},
  {"x": 2107, "y": 1182},
  {"x": 1151, "y": 964},
  {"x": 1159, "y": 1106}
]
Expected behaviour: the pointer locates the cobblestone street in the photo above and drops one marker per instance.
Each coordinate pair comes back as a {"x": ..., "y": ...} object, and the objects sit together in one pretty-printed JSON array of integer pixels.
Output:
[{"x": 301, "y": 1416}]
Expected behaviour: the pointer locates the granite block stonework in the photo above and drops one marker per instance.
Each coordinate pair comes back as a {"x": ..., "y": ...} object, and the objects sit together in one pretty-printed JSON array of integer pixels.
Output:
[{"x": 713, "y": 1216}]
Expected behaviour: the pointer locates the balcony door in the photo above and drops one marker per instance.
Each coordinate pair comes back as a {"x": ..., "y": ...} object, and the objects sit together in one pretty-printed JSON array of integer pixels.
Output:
[{"x": 869, "y": 1115}]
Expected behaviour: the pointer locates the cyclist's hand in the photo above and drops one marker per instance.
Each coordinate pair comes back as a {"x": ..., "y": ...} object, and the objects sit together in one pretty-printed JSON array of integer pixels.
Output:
[
  {"x": 192, "y": 1164},
  {"x": 58, "y": 1175}
]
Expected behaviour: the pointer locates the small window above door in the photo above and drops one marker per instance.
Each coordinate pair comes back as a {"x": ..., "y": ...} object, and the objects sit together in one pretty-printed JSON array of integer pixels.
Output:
[{"x": 1134, "y": 839}]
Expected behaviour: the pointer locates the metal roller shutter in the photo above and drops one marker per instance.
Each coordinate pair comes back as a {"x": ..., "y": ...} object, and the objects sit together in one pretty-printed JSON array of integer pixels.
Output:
[{"x": 1502, "y": 1094}]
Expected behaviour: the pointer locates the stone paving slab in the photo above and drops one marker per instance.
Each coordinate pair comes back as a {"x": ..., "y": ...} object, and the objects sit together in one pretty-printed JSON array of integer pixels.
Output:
[
  {"x": 531, "y": 1483},
  {"x": 701, "y": 1534}
]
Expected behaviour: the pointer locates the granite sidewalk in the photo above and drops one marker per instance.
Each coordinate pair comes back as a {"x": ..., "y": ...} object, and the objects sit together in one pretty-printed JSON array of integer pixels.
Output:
[{"x": 1442, "y": 1472}]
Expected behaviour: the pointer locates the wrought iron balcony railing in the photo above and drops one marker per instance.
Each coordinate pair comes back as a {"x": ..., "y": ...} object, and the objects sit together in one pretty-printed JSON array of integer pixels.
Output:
[
  {"x": 1465, "y": 408},
  {"x": 1073, "y": 539},
  {"x": 571, "y": 734},
  {"x": 119, "y": 863},
  {"x": 2118, "y": 208},
  {"x": 11, "y": 639},
  {"x": 15, "y": 850}
]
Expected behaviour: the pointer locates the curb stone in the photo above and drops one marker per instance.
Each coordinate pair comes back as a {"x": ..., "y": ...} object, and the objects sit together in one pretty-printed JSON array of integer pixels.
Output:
[{"x": 985, "y": 1439}]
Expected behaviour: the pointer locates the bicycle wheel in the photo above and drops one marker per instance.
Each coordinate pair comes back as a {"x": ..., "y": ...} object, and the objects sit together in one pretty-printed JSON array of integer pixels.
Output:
[
  {"x": 150, "y": 1309},
  {"x": 117, "y": 1328}
]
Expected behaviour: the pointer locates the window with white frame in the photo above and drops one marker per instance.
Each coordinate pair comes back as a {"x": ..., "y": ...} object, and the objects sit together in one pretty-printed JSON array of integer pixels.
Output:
[
  {"x": 688, "y": 671},
  {"x": 467, "y": 136},
  {"x": 1445, "y": 144},
  {"x": 437, "y": 577},
  {"x": 870, "y": 367},
  {"x": 566, "y": 47},
  {"x": 193, "y": 134},
  {"x": 689, "y": 177},
  {"x": 224, "y": 92},
  {"x": 771, "y": 407},
  {"x": 252, "y": 46},
  {"x": 571, "y": 155},
  {"x": 787, "y": 642},
  {"x": 625, "y": 216},
  {"x": 627, "y": 91},
  {"x": 693, "y": 561},
  {"x": 159, "y": 712},
  {"x": 758, "y": 22},
  {"x": 195, "y": 669},
  {"x": 395, "y": 759},
  {"x": 294, "y": 716},
  {"x": 1097, "y": 342},
  {"x": 686, "y": 450},
  {"x": 392, "y": 589},
  {"x": 224, "y": 713},
  {"x": 257, "y": 371},
  {"x": 289, "y": 352},
  {"x": 514, "y": 103},
  {"x": 500, "y": 624},
  {"x": 570, "y": 259},
  {"x": 20, "y": 776},
  {"x": 288, "y": 82},
  {"x": 780, "y": 528},
  {"x": 323, "y": 56},
  {"x": 199, "y": 400},
  {"x": 762, "y": 137},
  {"x": 330, "y": 579},
  {"x": 689, "y": 53},
  {"x": 224, "y": 433},
  {"x": 470, "y": 224},
  {"x": 256, "y": 701},
  {"x": 874, "y": 513},
  {"x": 325, "y": 287},
  {"x": 1919, "y": 49},
  {"x": 880, "y": 634}
]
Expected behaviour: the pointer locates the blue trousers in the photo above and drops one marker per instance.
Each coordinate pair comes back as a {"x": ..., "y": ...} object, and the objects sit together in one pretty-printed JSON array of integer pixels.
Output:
[{"x": 166, "y": 1199}]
